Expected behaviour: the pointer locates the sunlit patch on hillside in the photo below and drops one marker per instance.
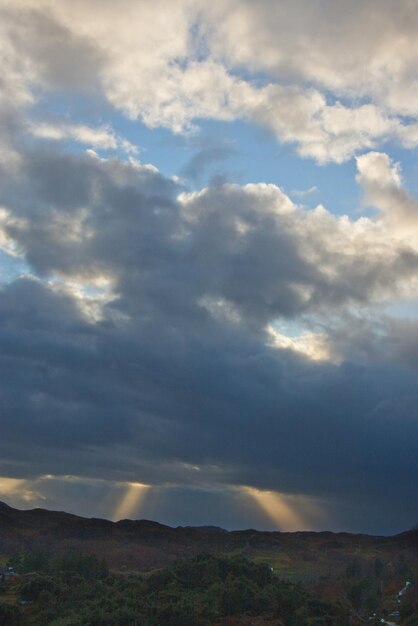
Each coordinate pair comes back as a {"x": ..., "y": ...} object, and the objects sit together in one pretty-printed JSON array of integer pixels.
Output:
[{"x": 287, "y": 512}]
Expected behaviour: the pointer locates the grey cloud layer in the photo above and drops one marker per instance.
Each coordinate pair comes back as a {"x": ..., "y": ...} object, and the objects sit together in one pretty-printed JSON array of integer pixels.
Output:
[
  {"x": 176, "y": 365},
  {"x": 138, "y": 405},
  {"x": 151, "y": 337},
  {"x": 245, "y": 251}
]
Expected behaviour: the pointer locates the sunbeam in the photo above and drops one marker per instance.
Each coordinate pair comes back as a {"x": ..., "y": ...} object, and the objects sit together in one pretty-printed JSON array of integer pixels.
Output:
[
  {"x": 19, "y": 491},
  {"x": 131, "y": 501},
  {"x": 289, "y": 513}
]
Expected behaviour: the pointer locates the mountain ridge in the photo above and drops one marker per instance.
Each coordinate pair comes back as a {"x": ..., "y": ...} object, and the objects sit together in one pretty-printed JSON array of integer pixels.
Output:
[{"x": 40, "y": 514}]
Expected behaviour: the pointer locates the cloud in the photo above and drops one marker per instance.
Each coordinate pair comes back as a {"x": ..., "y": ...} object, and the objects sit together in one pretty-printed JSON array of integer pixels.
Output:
[
  {"x": 44, "y": 51},
  {"x": 248, "y": 247},
  {"x": 204, "y": 160},
  {"x": 329, "y": 103},
  {"x": 381, "y": 180},
  {"x": 370, "y": 50},
  {"x": 325, "y": 132},
  {"x": 304, "y": 193},
  {"x": 103, "y": 137},
  {"x": 144, "y": 348},
  {"x": 149, "y": 342}
]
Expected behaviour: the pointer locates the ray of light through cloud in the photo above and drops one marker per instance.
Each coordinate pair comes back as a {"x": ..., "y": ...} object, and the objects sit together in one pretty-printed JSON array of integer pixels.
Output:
[
  {"x": 287, "y": 512},
  {"x": 131, "y": 502}
]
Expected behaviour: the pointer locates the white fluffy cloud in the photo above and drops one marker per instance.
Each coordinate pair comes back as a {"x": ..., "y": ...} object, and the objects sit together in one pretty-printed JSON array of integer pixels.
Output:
[
  {"x": 382, "y": 184},
  {"x": 331, "y": 92},
  {"x": 351, "y": 49},
  {"x": 103, "y": 137}
]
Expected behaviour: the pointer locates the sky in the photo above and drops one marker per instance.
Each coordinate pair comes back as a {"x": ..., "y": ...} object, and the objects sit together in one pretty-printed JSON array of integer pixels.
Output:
[{"x": 209, "y": 261}]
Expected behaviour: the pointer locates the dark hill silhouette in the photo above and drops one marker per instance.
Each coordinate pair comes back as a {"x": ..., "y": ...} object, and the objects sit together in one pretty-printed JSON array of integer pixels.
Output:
[{"x": 146, "y": 544}]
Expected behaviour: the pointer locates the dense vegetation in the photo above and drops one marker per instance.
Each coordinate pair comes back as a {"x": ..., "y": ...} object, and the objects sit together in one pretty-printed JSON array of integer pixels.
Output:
[{"x": 203, "y": 591}]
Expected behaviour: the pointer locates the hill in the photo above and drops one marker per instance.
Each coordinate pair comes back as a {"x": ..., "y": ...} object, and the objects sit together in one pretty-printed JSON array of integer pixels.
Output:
[
  {"x": 362, "y": 572},
  {"x": 144, "y": 545}
]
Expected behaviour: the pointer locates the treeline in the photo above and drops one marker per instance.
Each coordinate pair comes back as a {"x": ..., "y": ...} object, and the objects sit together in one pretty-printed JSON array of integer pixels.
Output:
[
  {"x": 206, "y": 590},
  {"x": 367, "y": 582},
  {"x": 39, "y": 561}
]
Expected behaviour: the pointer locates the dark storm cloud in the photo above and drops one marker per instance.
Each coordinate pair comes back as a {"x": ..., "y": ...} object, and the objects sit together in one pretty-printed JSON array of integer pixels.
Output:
[
  {"x": 177, "y": 369},
  {"x": 207, "y": 400},
  {"x": 246, "y": 246}
]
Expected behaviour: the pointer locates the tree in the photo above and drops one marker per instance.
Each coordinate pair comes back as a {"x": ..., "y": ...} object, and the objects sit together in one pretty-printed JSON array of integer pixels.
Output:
[{"x": 10, "y": 615}]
